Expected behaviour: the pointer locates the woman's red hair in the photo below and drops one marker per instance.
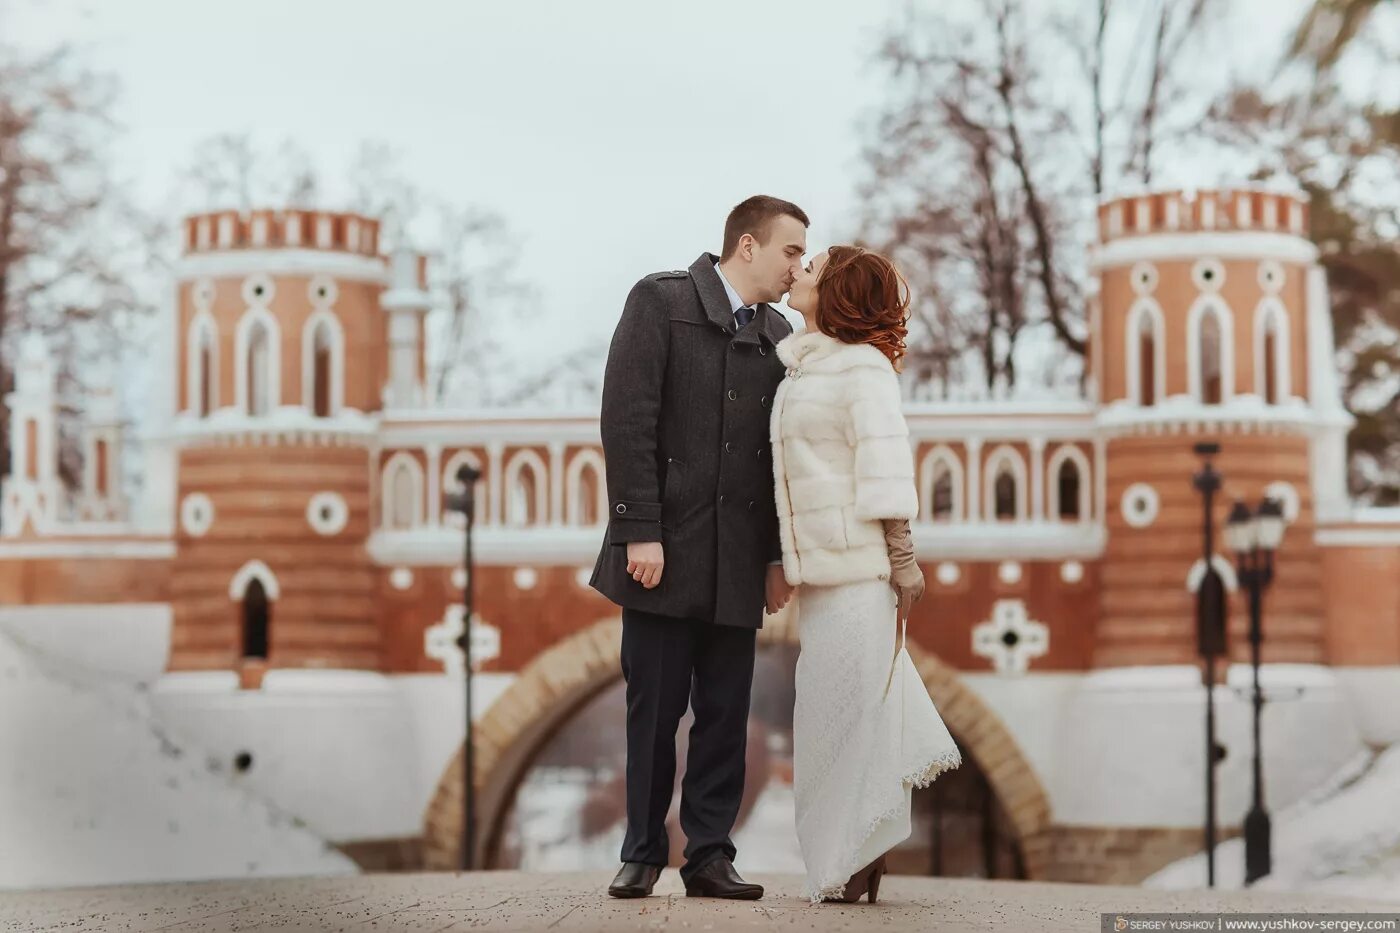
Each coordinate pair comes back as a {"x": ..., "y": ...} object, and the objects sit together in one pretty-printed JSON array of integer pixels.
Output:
[{"x": 862, "y": 298}]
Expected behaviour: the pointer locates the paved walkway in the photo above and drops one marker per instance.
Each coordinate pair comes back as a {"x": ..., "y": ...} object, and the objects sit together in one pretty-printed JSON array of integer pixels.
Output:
[{"x": 518, "y": 901}]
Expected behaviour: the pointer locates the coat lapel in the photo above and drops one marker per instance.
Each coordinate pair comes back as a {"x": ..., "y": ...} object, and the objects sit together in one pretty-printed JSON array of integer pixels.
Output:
[{"x": 711, "y": 290}]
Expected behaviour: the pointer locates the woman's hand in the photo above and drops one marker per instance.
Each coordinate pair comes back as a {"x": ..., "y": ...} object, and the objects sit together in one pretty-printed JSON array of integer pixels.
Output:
[{"x": 905, "y": 575}]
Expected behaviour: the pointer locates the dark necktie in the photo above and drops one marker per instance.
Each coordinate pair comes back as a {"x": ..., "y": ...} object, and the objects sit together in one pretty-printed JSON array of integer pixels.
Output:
[{"x": 743, "y": 316}]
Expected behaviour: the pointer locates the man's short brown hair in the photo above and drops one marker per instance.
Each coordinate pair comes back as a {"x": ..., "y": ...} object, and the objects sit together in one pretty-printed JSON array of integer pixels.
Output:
[{"x": 755, "y": 215}]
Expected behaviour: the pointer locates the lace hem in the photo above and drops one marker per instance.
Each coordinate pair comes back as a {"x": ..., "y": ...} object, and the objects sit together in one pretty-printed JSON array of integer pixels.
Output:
[{"x": 835, "y": 888}]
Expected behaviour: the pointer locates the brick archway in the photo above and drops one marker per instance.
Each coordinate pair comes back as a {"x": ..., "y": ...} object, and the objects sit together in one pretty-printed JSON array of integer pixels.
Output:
[{"x": 563, "y": 678}]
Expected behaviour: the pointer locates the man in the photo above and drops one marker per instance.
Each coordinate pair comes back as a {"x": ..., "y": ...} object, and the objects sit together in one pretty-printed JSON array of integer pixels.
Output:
[{"x": 692, "y": 553}]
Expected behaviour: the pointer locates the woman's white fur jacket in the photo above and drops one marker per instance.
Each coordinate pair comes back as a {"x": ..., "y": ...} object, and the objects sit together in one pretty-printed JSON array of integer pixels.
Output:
[{"x": 841, "y": 460}]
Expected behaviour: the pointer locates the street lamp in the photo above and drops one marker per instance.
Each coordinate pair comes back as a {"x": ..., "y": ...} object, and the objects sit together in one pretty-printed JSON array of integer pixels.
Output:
[
  {"x": 1254, "y": 538},
  {"x": 465, "y": 502},
  {"x": 1210, "y": 634}
]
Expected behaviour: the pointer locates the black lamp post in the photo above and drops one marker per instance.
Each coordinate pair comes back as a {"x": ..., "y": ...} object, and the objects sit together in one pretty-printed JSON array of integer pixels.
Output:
[
  {"x": 1254, "y": 538},
  {"x": 465, "y": 502},
  {"x": 1210, "y": 636}
]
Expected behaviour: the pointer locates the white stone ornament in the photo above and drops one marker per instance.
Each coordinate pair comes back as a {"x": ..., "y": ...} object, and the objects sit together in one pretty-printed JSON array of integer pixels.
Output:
[
  {"x": 1071, "y": 571},
  {"x": 327, "y": 513},
  {"x": 196, "y": 514},
  {"x": 1139, "y": 505},
  {"x": 1009, "y": 572},
  {"x": 258, "y": 290},
  {"x": 1010, "y": 639},
  {"x": 948, "y": 573},
  {"x": 401, "y": 578},
  {"x": 526, "y": 578},
  {"x": 202, "y": 294},
  {"x": 440, "y": 641},
  {"x": 1209, "y": 275},
  {"x": 1144, "y": 278},
  {"x": 321, "y": 291}
]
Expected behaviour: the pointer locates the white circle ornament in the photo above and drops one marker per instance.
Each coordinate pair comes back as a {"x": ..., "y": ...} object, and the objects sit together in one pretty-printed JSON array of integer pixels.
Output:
[
  {"x": 327, "y": 513},
  {"x": 401, "y": 578},
  {"x": 1208, "y": 274},
  {"x": 1071, "y": 571},
  {"x": 459, "y": 576},
  {"x": 1144, "y": 278},
  {"x": 258, "y": 290},
  {"x": 948, "y": 573},
  {"x": 1009, "y": 572},
  {"x": 1271, "y": 276},
  {"x": 202, "y": 294},
  {"x": 322, "y": 291},
  {"x": 1139, "y": 505},
  {"x": 1287, "y": 497},
  {"x": 526, "y": 578},
  {"x": 196, "y": 514}
]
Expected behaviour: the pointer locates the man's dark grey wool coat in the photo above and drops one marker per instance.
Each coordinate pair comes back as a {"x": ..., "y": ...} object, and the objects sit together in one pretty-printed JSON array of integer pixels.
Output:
[{"x": 686, "y": 406}]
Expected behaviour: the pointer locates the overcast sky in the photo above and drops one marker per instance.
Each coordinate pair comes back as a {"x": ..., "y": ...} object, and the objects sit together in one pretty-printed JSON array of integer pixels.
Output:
[{"x": 613, "y": 136}]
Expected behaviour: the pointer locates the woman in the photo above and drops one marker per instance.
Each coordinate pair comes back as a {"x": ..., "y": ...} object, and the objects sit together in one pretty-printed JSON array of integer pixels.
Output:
[{"x": 865, "y": 732}]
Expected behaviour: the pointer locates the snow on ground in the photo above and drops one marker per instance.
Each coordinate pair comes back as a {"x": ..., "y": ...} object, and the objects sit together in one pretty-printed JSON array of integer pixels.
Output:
[
  {"x": 1342, "y": 839},
  {"x": 93, "y": 791}
]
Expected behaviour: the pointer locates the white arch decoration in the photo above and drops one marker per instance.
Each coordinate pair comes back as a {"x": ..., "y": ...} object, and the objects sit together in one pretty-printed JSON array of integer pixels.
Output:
[
  {"x": 203, "y": 330},
  {"x": 1271, "y": 308},
  {"x": 449, "y": 484},
  {"x": 323, "y": 317},
  {"x": 943, "y": 454},
  {"x": 400, "y": 461},
  {"x": 1149, "y": 308},
  {"x": 590, "y": 459},
  {"x": 1210, "y": 304},
  {"x": 252, "y": 317},
  {"x": 512, "y": 475},
  {"x": 1005, "y": 454},
  {"x": 1068, "y": 453},
  {"x": 254, "y": 570}
]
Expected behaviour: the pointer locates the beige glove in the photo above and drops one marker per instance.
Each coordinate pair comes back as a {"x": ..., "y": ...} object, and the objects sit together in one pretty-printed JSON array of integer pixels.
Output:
[{"x": 905, "y": 575}]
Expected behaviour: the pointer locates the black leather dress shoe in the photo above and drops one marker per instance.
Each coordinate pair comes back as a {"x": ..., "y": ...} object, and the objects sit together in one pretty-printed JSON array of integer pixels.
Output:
[
  {"x": 719, "y": 879},
  {"x": 634, "y": 879}
]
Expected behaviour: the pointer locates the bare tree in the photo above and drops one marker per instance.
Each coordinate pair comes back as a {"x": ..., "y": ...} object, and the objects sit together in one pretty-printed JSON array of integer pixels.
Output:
[
  {"x": 74, "y": 254},
  {"x": 982, "y": 107}
]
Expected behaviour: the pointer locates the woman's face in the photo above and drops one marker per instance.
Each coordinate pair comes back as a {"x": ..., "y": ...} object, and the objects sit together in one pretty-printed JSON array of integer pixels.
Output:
[{"x": 802, "y": 297}]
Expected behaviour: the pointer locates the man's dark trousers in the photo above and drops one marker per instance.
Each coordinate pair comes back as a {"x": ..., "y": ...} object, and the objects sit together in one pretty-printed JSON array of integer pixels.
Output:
[{"x": 668, "y": 662}]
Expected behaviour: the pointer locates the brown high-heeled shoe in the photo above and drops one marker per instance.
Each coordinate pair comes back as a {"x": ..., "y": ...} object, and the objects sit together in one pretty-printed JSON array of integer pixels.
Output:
[{"x": 865, "y": 882}]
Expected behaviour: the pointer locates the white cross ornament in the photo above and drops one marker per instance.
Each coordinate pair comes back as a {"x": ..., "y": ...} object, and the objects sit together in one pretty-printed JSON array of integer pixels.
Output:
[
  {"x": 1010, "y": 638},
  {"x": 440, "y": 641}
]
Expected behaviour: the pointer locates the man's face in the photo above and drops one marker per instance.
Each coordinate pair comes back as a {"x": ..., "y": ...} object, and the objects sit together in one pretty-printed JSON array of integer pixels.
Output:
[{"x": 777, "y": 263}]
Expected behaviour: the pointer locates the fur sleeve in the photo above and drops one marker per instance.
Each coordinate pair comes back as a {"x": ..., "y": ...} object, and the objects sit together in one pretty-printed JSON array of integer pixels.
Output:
[{"x": 884, "y": 467}]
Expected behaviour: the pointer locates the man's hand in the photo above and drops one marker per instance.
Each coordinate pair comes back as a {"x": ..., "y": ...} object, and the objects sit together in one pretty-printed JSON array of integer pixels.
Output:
[
  {"x": 645, "y": 560},
  {"x": 776, "y": 589}
]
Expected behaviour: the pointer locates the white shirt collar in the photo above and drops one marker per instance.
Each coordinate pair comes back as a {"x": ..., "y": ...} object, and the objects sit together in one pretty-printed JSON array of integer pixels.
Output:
[{"x": 735, "y": 302}]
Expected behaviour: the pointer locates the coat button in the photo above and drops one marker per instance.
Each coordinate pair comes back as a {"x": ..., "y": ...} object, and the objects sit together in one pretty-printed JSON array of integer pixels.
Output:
[
  {"x": 728, "y": 447},
  {"x": 721, "y": 498},
  {"x": 758, "y": 453},
  {"x": 751, "y": 505},
  {"x": 762, "y": 351},
  {"x": 763, "y": 401},
  {"x": 621, "y": 508},
  {"x": 884, "y": 576},
  {"x": 733, "y": 395}
]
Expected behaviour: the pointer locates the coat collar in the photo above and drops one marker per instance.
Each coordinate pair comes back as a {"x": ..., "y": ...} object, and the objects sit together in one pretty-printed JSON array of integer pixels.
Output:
[
  {"x": 815, "y": 352},
  {"x": 767, "y": 324}
]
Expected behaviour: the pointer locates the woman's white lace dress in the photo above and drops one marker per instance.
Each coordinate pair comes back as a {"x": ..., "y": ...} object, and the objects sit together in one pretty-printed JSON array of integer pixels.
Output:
[{"x": 865, "y": 732}]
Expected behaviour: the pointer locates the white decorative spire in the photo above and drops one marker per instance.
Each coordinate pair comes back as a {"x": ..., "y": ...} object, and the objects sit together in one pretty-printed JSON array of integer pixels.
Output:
[{"x": 406, "y": 302}]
